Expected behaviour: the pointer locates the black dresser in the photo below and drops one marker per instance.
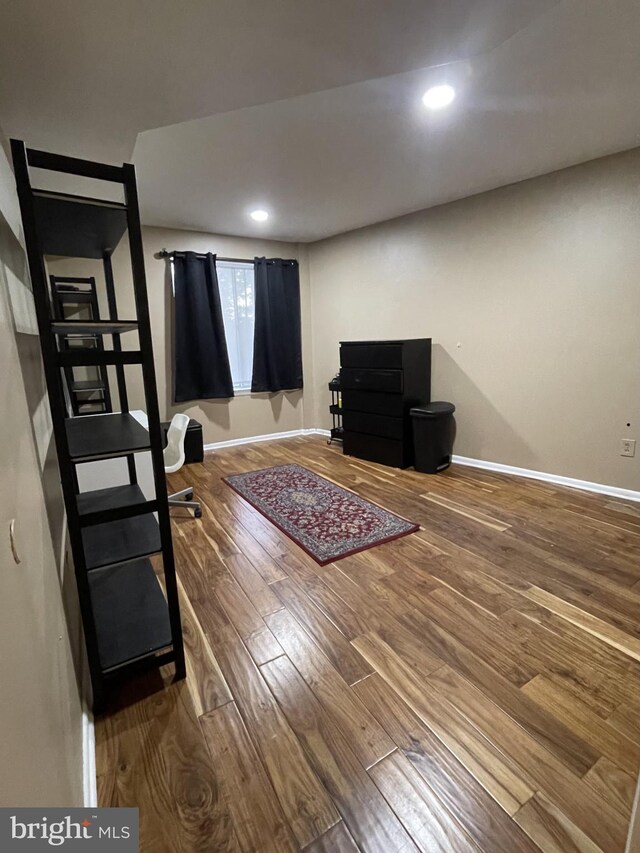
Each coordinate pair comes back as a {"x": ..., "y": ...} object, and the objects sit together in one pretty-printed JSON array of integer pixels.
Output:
[{"x": 381, "y": 381}]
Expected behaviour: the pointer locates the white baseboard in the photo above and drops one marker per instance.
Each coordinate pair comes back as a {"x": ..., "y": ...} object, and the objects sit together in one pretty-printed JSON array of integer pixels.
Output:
[
  {"x": 556, "y": 479},
  {"x": 89, "y": 782},
  {"x": 584, "y": 485},
  {"x": 272, "y": 436}
]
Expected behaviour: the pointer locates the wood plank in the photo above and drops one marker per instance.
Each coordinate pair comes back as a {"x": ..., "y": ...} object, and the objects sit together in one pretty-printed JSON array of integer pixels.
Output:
[
  {"x": 346, "y": 619},
  {"x": 554, "y": 735},
  {"x": 430, "y": 824},
  {"x": 570, "y": 657},
  {"x": 472, "y": 750},
  {"x": 263, "y": 646},
  {"x": 246, "y": 620},
  {"x": 411, "y": 580},
  {"x": 476, "y": 811},
  {"x": 474, "y": 515},
  {"x": 472, "y": 626},
  {"x": 305, "y": 802},
  {"x": 368, "y": 740},
  {"x": 257, "y": 816},
  {"x": 338, "y": 839},
  {"x": 351, "y": 666},
  {"x": 257, "y": 590},
  {"x": 613, "y": 636},
  {"x": 481, "y": 589},
  {"x": 603, "y": 824},
  {"x": 162, "y": 767},
  {"x": 625, "y": 719},
  {"x": 595, "y": 731},
  {"x": 552, "y": 830},
  {"x": 613, "y": 784},
  {"x": 371, "y": 821},
  {"x": 243, "y": 615},
  {"x": 206, "y": 682}
]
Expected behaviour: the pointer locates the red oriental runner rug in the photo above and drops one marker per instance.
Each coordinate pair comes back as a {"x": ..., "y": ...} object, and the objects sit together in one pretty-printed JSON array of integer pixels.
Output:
[{"x": 324, "y": 519}]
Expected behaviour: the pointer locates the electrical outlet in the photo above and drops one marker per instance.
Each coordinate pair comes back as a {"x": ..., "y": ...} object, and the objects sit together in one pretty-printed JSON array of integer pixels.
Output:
[{"x": 627, "y": 447}]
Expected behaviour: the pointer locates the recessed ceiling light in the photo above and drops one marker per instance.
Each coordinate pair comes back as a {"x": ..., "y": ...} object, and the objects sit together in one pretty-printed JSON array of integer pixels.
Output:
[
  {"x": 259, "y": 215},
  {"x": 438, "y": 96}
]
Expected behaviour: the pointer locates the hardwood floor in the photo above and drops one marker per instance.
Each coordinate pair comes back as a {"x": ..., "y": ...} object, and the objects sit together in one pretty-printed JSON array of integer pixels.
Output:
[{"x": 472, "y": 687}]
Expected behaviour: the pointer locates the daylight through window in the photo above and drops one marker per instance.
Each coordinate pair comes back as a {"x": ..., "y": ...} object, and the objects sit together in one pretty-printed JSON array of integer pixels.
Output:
[{"x": 236, "y": 282}]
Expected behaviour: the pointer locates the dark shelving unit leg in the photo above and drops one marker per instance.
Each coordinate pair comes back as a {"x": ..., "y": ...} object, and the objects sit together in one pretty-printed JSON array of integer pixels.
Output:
[
  {"x": 153, "y": 411},
  {"x": 117, "y": 346}
]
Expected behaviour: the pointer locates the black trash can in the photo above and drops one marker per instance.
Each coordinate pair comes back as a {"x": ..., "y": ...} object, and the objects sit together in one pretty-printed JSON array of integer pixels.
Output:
[{"x": 434, "y": 430}]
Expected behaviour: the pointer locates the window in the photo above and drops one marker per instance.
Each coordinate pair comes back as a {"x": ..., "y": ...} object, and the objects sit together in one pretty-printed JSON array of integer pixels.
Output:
[{"x": 236, "y": 295}]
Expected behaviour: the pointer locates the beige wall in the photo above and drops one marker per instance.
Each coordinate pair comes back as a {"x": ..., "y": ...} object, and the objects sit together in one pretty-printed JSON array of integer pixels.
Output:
[
  {"x": 40, "y": 708},
  {"x": 244, "y": 415},
  {"x": 531, "y": 294}
]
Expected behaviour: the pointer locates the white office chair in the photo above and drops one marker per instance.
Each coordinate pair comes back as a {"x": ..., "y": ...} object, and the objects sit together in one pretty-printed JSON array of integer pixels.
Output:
[{"x": 174, "y": 460}]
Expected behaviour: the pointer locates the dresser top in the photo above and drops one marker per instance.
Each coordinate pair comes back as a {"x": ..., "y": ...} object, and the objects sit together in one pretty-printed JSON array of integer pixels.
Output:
[{"x": 381, "y": 343}]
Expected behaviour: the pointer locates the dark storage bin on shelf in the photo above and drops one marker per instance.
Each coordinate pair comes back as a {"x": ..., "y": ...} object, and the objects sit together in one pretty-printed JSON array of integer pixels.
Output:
[
  {"x": 193, "y": 443},
  {"x": 433, "y": 435}
]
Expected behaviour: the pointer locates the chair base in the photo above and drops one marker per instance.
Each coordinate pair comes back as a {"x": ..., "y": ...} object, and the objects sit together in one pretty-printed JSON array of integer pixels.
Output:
[{"x": 180, "y": 499}]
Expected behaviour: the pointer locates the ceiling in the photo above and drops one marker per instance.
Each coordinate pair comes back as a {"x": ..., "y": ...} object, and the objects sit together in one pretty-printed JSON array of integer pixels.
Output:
[{"x": 313, "y": 109}]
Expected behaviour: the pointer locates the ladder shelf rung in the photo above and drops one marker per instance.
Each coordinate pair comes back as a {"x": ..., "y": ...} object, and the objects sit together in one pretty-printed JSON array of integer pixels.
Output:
[
  {"x": 93, "y": 357},
  {"x": 93, "y": 327}
]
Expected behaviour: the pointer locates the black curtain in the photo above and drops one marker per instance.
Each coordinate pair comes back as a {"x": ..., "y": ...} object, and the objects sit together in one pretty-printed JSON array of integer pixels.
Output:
[
  {"x": 277, "y": 339},
  {"x": 202, "y": 361}
]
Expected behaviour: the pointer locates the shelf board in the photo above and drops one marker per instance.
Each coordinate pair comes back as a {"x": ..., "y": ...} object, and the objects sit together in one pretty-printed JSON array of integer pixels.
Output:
[
  {"x": 78, "y": 228},
  {"x": 92, "y": 327},
  {"x": 335, "y": 409},
  {"x": 101, "y": 436},
  {"x": 84, "y": 412},
  {"x": 74, "y": 296},
  {"x": 121, "y": 541},
  {"x": 88, "y": 356},
  {"x": 87, "y": 385},
  {"x": 114, "y": 497},
  {"x": 131, "y": 613}
]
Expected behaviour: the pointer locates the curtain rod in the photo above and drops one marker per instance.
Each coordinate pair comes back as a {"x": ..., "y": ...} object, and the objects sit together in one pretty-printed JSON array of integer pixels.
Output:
[{"x": 163, "y": 253}]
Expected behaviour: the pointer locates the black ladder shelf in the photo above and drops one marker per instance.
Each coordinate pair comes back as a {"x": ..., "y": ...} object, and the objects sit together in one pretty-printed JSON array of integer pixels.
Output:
[
  {"x": 69, "y": 297},
  {"x": 131, "y": 620}
]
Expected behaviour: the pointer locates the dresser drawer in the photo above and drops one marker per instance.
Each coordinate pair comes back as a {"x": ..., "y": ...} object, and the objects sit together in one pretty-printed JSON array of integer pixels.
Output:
[
  {"x": 372, "y": 401},
  {"x": 374, "y": 448},
  {"x": 371, "y": 355},
  {"x": 372, "y": 424},
  {"x": 371, "y": 380}
]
